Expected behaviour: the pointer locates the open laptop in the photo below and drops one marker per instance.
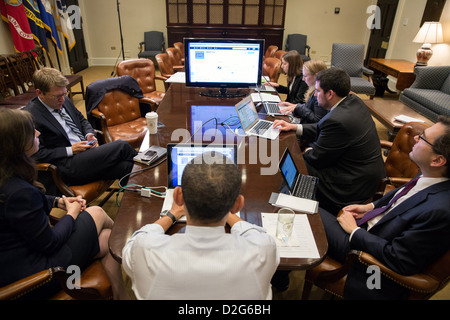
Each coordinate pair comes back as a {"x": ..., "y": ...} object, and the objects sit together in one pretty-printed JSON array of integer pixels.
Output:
[
  {"x": 300, "y": 185},
  {"x": 179, "y": 155},
  {"x": 251, "y": 124}
]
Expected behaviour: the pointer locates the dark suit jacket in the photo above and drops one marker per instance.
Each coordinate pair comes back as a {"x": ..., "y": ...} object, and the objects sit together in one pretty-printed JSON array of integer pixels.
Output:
[
  {"x": 346, "y": 154},
  {"x": 413, "y": 235},
  {"x": 53, "y": 139},
  {"x": 27, "y": 243},
  {"x": 297, "y": 94},
  {"x": 310, "y": 112}
]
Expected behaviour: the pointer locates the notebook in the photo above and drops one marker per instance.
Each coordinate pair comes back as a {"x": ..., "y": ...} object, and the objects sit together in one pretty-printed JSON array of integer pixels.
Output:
[
  {"x": 179, "y": 155},
  {"x": 300, "y": 185},
  {"x": 251, "y": 124}
]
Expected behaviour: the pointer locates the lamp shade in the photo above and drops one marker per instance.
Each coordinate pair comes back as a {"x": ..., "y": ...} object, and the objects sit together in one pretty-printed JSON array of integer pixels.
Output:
[{"x": 431, "y": 32}]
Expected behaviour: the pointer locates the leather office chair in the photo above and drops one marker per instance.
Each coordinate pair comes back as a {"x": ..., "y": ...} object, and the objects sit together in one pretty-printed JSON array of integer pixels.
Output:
[
  {"x": 143, "y": 70},
  {"x": 331, "y": 275},
  {"x": 120, "y": 118},
  {"x": 175, "y": 59},
  {"x": 90, "y": 191},
  {"x": 272, "y": 68},
  {"x": 94, "y": 285},
  {"x": 73, "y": 79},
  {"x": 350, "y": 57},
  {"x": 279, "y": 54},
  {"x": 152, "y": 45},
  {"x": 165, "y": 67},
  {"x": 298, "y": 42},
  {"x": 180, "y": 47},
  {"x": 270, "y": 51}
]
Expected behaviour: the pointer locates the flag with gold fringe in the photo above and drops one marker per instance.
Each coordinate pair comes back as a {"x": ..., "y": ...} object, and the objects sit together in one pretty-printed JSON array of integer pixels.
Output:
[
  {"x": 13, "y": 12},
  {"x": 63, "y": 22},
  {"x": 49, "y": 22},
  {"x": 35, "y": 21}
]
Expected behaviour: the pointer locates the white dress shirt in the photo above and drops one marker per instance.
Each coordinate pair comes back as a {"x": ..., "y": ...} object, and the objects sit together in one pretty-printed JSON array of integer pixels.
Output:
[{"x": 204, "y": 263}]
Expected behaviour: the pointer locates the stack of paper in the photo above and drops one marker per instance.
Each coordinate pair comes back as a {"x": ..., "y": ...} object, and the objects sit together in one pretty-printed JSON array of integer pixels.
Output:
[
  {"x": 405, "y": 119},
  {"x": 266, "y": 97}
]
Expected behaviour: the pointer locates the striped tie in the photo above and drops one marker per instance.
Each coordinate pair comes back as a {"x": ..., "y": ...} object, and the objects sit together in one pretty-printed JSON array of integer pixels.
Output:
[{"x": 71, "y": 124}]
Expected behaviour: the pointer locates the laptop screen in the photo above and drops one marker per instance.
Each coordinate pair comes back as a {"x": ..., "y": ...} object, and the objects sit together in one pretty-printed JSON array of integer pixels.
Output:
[
  {"x": 179, "y": 155},
  {"x": 200, "y": 115},
  {"x": 247, "y": 112},
  {"x": 288, "y": 169}
]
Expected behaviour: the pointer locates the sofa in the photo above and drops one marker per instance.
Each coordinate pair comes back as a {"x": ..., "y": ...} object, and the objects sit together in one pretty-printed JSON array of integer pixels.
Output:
[{"x": 429, "y": 95}]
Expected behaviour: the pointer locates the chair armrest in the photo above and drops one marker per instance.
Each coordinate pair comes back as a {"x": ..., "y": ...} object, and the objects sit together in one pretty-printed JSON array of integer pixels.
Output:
[
  {"x": 48, "y": 167},
  {"x": 106, "y": 136},
  {"x": 307, "y": 49},
  {"x": 158, "y": 77},
  {"x": 417, "y": 282},
  {"x": 386, "y": 144},
  {"x": 367, "y": 71},
  {"x": 334, "y": 275},
  {"x": 22, "y": 287},
  {"x": 398, "y": 181},
  {"x": 141, "y": 46}
]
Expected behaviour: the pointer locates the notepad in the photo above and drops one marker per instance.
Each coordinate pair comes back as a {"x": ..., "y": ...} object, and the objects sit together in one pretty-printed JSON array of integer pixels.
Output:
[
  {"x": 266, "y": 97},
  {"x": 295, "y": 203},
  {"x": 405, "y": 119}
]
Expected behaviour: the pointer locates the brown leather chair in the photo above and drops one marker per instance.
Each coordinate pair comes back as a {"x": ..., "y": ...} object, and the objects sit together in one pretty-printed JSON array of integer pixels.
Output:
[
  {"x": 180, "y": 47},
  {"x": 279, "y": 54},
  {"x": 331, "y": 275},
  {"x": 272, "y": 68},
  {"x": 90, "y": 192},
  {"x": 165, "y": 67},
  {"x": 270, "y": 52},
  {"x": 94, "y": 285},
  {"x": 143, "y": 70},
  {"x": 175, "y": 59},
  {"x": 120, "y": 118}
]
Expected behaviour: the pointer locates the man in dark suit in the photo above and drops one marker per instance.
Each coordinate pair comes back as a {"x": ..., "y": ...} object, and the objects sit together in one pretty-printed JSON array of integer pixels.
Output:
[
  {"x": 411, "y": 231},
  {"x": 68, "y": 140},
  {"x": 345, "y": 151}
]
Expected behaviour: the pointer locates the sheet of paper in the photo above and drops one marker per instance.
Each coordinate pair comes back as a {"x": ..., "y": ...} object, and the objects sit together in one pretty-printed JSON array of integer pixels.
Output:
[
  {"x": 405, "y": 119},
  {"x": 177, "y": 77},
  {"x": 301, "y": 244},
  {"x": 266, "y": 97}
]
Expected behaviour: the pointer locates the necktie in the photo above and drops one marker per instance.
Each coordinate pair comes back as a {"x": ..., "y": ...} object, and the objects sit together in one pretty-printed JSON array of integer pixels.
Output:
[
  {"x": 376, "y": 212},
  {"x": 71, "y": 124}
]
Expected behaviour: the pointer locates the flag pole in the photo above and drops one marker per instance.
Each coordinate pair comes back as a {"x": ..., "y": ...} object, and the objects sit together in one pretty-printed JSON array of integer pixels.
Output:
[{"x": 120, "y": 27}]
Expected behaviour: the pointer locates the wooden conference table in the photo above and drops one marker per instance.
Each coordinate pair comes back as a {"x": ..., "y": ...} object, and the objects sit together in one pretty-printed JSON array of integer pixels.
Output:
[{"x": 176, "y": 112}]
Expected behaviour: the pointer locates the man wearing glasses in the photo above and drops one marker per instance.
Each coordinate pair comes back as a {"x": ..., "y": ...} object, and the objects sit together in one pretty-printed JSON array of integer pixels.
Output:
[
  {"x": 68, "y": 140},
  {"x": 407, "y": 229}
]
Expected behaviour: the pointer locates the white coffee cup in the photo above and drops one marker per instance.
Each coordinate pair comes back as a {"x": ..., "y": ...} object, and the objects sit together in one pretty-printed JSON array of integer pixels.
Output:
[{"x": 152, "y": 122}]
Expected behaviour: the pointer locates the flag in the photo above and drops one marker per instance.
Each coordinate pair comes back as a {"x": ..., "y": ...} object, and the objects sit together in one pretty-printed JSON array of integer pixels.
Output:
[
  {"x": 35, "y": 21},
  {"x": 13, "y": 12},
  {"x": 62, "y": 21},
  {"x": 47, "y": 17}
]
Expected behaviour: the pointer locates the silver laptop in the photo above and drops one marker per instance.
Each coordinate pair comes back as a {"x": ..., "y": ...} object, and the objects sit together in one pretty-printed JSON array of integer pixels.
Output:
[
  {"x": 179, "y": 155},
  {"x": 251, "y": 124}
]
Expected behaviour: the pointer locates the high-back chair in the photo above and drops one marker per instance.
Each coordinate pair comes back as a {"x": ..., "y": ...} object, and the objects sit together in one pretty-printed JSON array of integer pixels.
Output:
[
  {"x": 143, "y": 70},
  {"x": 270, "y": 51},
  {"x": 298, "y": 42},
  {"x": 120, "y": 118},
  {"x": 180, "y": 47},
  {"x": 175, "y": 59},
  {"x": 350, "y": 57},
  {"x": 152, "y": 45},
  {"x": 165, "y": 67},
  {"x": 279, "y": 54},
  {"x": 272, "y": 68}
]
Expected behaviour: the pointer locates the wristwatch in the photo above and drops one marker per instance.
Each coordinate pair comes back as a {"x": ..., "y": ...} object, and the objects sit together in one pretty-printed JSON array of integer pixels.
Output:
[{"x": 169, "y": 214}]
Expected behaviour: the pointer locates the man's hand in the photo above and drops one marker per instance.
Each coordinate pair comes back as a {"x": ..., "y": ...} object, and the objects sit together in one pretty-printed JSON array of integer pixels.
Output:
[
  {"x": 284, "y": 126},
  {"x": 347, "y": 221},
  {"x": 287, "y": 107}
]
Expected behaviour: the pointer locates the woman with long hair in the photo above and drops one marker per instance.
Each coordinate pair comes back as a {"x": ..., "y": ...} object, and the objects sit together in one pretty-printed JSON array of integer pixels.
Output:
[{"x": 28, "y": 244}]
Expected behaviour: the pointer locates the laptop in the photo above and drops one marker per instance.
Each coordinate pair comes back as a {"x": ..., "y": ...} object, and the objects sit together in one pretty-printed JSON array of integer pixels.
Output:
[
  {"x": 251, "y": 124},
  {"x": 179, "y": 155},
  {"x": 300, "y": 185}
]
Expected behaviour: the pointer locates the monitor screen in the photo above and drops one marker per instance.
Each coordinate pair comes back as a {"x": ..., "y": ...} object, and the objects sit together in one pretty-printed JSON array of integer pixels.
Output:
[
  {"x": 179, "y": 155},
  {"x": 223, "y": 63}
]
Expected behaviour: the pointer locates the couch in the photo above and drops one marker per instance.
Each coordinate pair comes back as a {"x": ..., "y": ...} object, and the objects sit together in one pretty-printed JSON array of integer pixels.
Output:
[{"x": 429, "y": 95}]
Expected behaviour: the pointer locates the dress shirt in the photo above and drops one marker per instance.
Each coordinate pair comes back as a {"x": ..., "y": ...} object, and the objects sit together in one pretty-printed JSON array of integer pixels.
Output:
[
  {"x": 203, "y": 263},
  {"x": 422, "y": 184},
  {"x": 73, "y": 138}
]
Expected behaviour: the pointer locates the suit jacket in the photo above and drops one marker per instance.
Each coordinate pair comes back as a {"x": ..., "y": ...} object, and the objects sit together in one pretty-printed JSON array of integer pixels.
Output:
[
  {"x": 346, "y": 154},
  {"x": 53, "y": 139},
  {"x": 413, "y": 235},
  {"x": 297, "y": 94},
  {"x": 310, "y": 112}
]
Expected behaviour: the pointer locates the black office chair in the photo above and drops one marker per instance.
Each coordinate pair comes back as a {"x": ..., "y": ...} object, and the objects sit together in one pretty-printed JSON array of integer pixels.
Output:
[
  {"x": 152, "y": 45},
  {"x": 298, "y": 42}
]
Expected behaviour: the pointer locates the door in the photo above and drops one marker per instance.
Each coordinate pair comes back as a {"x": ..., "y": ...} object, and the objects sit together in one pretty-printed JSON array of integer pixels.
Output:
[
  {"x": 379, "y": 38},
  {"x": 78, "y": 57}
]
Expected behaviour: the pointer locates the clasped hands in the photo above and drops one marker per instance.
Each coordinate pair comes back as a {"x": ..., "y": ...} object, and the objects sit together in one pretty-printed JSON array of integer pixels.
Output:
[{"x": 347, "y": 219}]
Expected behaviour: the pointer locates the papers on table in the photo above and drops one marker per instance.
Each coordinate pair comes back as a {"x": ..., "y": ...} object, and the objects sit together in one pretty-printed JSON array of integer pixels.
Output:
[
  {"x": 266, "y": 97},
  {"x": 405, "y": 119},
  {"x": 295, "y": 203},
  {"x": 177, "y": 77},
  {"x": 301, "y": 244}
]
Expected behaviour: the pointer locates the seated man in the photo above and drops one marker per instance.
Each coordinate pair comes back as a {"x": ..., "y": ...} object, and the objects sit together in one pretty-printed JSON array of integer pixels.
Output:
[
  {"x": 345, "y": 152},
  {"x": 204, "y": 262},
  {"x": 68, "y": 140},
  {"x": 410, "y": 231}
]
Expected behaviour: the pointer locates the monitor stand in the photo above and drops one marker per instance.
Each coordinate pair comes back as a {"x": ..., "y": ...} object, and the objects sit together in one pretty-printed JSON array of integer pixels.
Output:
[{"x": 223, "y": 93}]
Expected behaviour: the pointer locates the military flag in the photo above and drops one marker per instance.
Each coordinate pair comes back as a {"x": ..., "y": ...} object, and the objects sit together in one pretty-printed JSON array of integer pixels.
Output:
[{"x": 13, "y": 12}]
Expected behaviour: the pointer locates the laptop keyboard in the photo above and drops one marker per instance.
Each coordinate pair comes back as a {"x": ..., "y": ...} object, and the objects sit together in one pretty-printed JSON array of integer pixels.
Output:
[
  {"x": 272, "y": 107},
  {"x": 306, "y": 187},
  {"x": 262, "y": 126}
]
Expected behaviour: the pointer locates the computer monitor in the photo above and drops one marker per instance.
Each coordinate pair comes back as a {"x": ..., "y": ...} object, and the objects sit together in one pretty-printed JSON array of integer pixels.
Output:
[{"x": 223, "y": 64}]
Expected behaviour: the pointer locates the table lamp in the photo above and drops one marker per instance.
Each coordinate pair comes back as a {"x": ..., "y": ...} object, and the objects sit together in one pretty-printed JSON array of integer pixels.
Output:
[{"x": 431, "y": 32}]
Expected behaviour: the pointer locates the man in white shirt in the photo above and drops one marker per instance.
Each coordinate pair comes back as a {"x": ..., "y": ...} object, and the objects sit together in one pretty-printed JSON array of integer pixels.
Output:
[
  {"x": 406, "y": 233},
  {"x": 205, "y": 262}
]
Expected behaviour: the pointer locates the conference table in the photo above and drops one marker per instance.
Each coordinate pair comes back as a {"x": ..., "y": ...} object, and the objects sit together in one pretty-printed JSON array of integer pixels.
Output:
[{"x": 181, "y": 110}]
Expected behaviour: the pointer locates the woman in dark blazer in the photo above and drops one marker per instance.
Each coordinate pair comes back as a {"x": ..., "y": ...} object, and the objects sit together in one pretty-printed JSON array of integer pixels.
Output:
[
  {"x": 27, "y": 243},
  {"x": 292, "y": 65},
  {"x": 309, "y": 112}
]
